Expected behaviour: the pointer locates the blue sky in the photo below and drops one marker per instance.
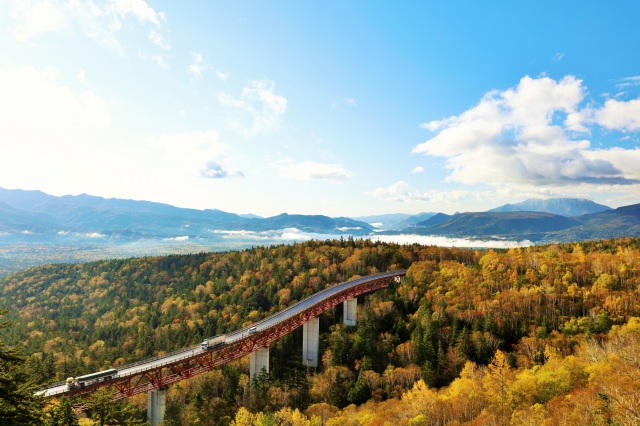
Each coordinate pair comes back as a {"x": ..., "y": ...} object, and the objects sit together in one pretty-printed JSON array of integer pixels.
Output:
[{"x": 343, "y": 108}]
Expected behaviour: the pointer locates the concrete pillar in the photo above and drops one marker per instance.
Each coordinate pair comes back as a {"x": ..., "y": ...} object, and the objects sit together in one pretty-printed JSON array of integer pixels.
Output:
[
  {"x": 156, "y": 404},
  {"x": 310, "y": 342},
  {"x": 257, "y": 361},
  {"x": 350, "y": 306}
]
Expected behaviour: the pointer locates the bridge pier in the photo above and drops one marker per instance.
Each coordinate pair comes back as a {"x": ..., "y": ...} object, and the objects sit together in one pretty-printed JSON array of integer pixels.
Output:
[
  {"x": 156, "y": 404},
  {"x": 349, "y": 316},
  {"x": 310, "y": 342},
  {"x": 257, "y": 361}
]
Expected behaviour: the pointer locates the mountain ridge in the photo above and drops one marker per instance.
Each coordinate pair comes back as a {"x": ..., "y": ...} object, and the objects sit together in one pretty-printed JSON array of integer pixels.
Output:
[
  {"x": 34, "y": 214},
  {"x": 86, "y": 213},
  {"x": 569, "y": 207}
]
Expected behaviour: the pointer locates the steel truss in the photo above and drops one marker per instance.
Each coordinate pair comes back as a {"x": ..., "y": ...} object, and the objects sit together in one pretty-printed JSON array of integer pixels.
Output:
[{"x": 200, "y": 361}]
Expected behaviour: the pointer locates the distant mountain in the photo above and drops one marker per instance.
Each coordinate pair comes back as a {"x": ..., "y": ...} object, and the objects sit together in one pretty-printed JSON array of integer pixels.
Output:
[
  {"x": 250, "y": 216},
  {"x": 495, "y": 225},
  {"x": 434, "y": 220},
  {"x": 393, "y": 220},
  {"x": 16, "y": 220},
  {"x": 36, "y": 213},
  {"x": 534, "y": 226},
  {"x": 569, "y": 207},
  {"x": 620, "y": 222},
  {"x": 419, "y": 218}
]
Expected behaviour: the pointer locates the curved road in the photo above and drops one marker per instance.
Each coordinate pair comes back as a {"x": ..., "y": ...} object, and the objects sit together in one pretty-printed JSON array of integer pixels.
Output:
[{"x": 255, "y": 328}]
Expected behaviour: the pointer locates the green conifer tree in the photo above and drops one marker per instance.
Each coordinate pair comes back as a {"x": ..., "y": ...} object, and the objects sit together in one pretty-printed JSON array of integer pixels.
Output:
[
  {"x": 18, "y": 403},
  {"x": 63, "y": 414}
]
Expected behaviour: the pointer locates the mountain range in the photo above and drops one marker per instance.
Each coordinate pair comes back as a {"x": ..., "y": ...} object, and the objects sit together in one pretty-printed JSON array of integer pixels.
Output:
[
  {"x": 33, "y": 216},
  {"x": 39, "y": 215}
]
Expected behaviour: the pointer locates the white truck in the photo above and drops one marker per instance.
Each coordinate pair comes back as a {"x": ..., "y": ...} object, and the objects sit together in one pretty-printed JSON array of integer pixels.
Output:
[{"x": 213, "y": 342}]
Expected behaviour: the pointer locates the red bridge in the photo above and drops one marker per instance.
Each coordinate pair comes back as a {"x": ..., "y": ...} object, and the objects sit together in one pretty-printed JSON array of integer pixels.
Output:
[{"x": 156, "y": 373}]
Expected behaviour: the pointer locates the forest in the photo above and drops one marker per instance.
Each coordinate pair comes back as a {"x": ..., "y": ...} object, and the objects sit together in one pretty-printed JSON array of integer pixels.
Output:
[{"x": 546, "y": 334}]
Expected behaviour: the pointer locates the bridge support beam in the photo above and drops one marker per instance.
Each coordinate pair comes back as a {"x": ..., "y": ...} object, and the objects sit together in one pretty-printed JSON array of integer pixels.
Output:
[
  {"x": 310, "y": 342},
  {"x": 156, "y": 404},
  {"x": 257, "y": 361},
  {"x": 349, "y": 316}
]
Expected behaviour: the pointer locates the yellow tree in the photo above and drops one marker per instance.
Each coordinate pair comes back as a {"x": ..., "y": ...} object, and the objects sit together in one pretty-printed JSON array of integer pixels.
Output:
[
  {"x": 465, "y": 396},
  {"x": 421, "y": 399},
  {"x": 496, "y": 385},
  {"x": 618, "y": 380},
  {"x": 243, "y": 417}
]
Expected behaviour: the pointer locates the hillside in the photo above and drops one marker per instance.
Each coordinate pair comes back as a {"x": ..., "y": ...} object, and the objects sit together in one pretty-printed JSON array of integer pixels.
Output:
[
  {"x": 434, "y": 220},
  {"x": 621, "y": 222},
  {"x": 512, "y": 225},
  {"x": 450, "y": 319},
  {"x": 537, "y": 227}
]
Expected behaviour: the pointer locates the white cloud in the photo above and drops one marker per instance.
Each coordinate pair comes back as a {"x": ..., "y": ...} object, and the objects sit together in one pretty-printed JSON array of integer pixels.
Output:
[
  {"x": 159, "y": 59},
  {"x": 558, "y": 56},
  {"x": 293, "y": 234},
  {"x": 137, "y": 8},
  {"x": 350, "y": 102},
  {"x": 158, "y": 40},
  {"x": 629, "y": 81},
  {"x": 307, "y": 170},
  {"x": 222, "y": 76},
  {"x": 100, "y": 22},
  {"x": 259, "y": 109},
  {"x": 449, "y": 242},
  {"x": 62, "y": 141},
  {"x": 41, "y": 115},
  {"x": 53, "y": 136},
  {"x": 418, "y": 169},
  {"x": 399, "y": 192},
  {"x": 403, "y": 193},
  {"x": 196, "y": 154},
  {"x": 198, "y": 66},
  {"x": 619, "y": 115},
  {"x": 242, "y": 234},
  {"x": 523, "y": 137},
  {"x": 37, "y": 17},
  {"x": 214, "y": 170},
  {"x": 93, "y": 235},
  {"x": 180, "y": 238}
]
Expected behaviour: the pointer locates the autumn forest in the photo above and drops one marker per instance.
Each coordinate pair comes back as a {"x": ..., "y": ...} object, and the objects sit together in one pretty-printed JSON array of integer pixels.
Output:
[{"x": 527, "y": 336}]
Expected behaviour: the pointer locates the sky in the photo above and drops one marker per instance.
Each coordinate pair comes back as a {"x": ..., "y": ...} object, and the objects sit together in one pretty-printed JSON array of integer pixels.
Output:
[{"x": 340, "y": 108}]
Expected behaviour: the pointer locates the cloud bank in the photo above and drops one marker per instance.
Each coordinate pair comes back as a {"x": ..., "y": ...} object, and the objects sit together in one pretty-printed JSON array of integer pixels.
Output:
[{"x": 536, "y": 134}]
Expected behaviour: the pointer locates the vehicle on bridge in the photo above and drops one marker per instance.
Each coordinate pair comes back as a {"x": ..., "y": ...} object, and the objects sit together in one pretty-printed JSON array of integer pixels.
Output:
[
  {"x": 213, "y": 342},
  {"x": 88, "y": 379}
]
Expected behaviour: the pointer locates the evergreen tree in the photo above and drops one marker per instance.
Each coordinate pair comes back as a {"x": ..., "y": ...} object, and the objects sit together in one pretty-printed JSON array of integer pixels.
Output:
[
  {"x": 63, "y": 414},
  {"x": 18, "y": 403},
  {"x": 466, "y": 344},
  {"x": 105, "y": 411}
]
